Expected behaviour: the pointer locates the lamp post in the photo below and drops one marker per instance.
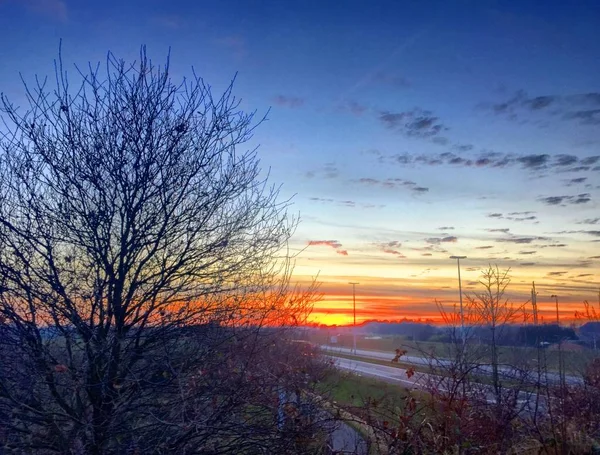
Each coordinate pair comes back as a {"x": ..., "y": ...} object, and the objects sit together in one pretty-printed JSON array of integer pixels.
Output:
[
  {"x": 354, "y": 283},
  {"x": 555, "y": 297},
  {"x": 462, "y": 315}
]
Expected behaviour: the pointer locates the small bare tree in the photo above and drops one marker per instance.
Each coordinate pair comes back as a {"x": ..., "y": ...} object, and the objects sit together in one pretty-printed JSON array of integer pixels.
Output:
[
  {"x": 140, "y": 254},
  {"x": 494, "y": 311}
]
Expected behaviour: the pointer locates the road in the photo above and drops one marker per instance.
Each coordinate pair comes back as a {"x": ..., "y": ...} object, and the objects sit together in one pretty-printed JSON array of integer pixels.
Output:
[
  {"x": 425, "y": 381},
  {"x": 507, "y": 373}
]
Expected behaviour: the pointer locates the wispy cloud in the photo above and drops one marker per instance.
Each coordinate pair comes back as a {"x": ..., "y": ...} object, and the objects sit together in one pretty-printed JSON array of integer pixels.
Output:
[
  {"x": 520, "y": 240},
  {"x": 512, "y": 216},
  {"x": 353, "y": 107},
  {"x": 335, "y": 244},
  {"x": 327, "y": 171},
  {"x": 345, "y": 203},
  {"x": 235, "y": 43},
  {"x": 392, "y": 80},
  {"x": 55, "y": 9},
  {"x": 438, "y": 240},
  {"x": 582, "y": 198},
  {"x": 488, "y": 159},
  {"x": 581, "y": 231},
  {"x": 292, "y": 102},
  {"x": 392, "y": 183},
  {"x": 417, "y": 122},
  {"x": 391, "y": 248},
  {"x": 589, "y": 221},
  {"x": 582, "y": 108}
]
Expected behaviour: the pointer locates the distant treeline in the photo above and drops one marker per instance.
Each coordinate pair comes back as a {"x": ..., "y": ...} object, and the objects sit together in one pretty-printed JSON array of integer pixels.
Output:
[{"x": 508, "y": 335}]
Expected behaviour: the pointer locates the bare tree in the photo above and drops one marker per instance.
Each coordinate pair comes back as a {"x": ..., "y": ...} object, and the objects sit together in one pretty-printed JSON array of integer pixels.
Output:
[
  {"x": 140, "y": 254},
  {"x": 495, "y": 312}
]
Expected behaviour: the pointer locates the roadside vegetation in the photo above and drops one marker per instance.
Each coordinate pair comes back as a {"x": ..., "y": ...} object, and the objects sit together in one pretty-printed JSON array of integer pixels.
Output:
[{"x": 532, "y": 400}]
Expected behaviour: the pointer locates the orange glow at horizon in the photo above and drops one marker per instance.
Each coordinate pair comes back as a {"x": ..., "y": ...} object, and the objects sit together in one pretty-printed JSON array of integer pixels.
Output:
[{"x": 336, "y": 307}]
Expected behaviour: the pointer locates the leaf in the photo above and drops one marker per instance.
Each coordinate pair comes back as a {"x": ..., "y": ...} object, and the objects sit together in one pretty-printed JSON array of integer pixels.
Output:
[{"x": 410, "y": 373}]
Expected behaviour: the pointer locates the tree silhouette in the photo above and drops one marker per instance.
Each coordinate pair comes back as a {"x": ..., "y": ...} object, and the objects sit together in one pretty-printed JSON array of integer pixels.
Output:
[{"x": 140, "y": 254}]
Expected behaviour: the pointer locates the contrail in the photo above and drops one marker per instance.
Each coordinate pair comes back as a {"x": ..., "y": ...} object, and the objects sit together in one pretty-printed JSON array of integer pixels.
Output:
[{"x": 377, "y": 69}]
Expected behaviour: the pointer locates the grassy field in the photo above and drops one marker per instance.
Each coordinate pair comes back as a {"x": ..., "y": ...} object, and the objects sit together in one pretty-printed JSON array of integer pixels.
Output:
[{"x": 349, "y": 389}]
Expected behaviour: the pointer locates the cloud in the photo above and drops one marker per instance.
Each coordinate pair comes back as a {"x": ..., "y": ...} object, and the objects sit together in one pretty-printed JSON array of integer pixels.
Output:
[
  {"x": 484, "y": 247},
  {"x": 446, "y": 228},
  {"x": 353, "y": 107},
  {"x": 463, "y": 147},
  {"x": 556, "y": 273},
  {"x": 291, "y": 102},
  {"x": 592, "y": 233},
  {"x": 559, "y": 163},
  {"x": 575, "y": 181},
  {"x": 345, "y": 203},
  {"x": 391, "y": 80},
  {"x": 527, "y": 252},
  {"x": 590, "y": 160},
  {"x": 504, "y": 230},
  {"x": 589, "y": 221},
  {"x": 168, "y": 21},
  {"x": 328, "y": 171},
  {"x": 394, "y": 252},
  {"x": 594, "y": 257},
  {"x": 565, "y": 160},
  {"x": 520, "y": 240},
  {"x": 418, "y": 123},
  {"x": 527, "y": 264},
  {"x": 534, "y": 161},
  {"x": 331, "y": 243},
  {"x": 235, "y": 43},
  {"x": 391, "y": 248},
  {"x": 392, "y": 183},
  {"x": 582, "y": 198},
  {"x": 512, "y": 216},
  {"x": 335, "y": 244},
  {"x": 582, "y": 108},
  {"x": 56, "y": 9},
  {"x": 585, "y": 117},
  {"x": 438, "y": 240}
]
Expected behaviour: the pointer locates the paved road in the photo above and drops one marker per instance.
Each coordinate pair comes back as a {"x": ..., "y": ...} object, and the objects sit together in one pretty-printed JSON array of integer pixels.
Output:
[
  {"x": 416, "y": 360},
  {"x": 424, "y": 381}
]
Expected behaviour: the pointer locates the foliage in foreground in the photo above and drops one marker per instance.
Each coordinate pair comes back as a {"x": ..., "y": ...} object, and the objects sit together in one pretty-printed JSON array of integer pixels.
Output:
[{"x": 521, "y": 409}]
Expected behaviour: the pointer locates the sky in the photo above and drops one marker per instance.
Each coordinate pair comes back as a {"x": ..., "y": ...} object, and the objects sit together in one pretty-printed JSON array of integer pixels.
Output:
[{"x": 405, "y": 131}]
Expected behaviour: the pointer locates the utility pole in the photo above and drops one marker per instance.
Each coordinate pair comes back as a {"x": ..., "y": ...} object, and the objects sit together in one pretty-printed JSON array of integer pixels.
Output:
[
  {"x": 354, "y": 283},
  {"x": 462, "y": 315}
]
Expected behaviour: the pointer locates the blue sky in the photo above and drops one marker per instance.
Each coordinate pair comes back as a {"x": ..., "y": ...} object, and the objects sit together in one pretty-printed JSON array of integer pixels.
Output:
[{"x": 408, "y": 131}]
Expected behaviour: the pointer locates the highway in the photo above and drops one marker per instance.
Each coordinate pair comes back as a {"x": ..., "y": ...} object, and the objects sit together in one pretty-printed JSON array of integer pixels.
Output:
[
  {"x": 426, "y": 381},
  {"x": 507, "y": 373}
]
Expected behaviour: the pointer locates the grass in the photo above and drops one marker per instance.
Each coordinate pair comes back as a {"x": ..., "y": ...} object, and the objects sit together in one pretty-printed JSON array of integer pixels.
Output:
[{"x": 352, "y": 390}]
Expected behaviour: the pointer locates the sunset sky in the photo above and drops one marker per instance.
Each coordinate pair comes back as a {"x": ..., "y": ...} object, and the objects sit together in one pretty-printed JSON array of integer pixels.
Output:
[{"x": 407, "y": 131}]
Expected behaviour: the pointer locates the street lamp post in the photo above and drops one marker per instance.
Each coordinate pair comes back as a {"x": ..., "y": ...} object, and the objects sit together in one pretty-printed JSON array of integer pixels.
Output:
[
  {"x": 561, "y": 365},
  {"x": 555, "y": 297},
  {"x": 462, "y": 315},
  {"x": 354, "y": 283}
]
